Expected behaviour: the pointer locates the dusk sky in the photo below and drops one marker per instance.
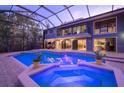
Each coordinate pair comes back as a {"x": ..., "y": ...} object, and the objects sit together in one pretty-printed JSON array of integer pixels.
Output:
[{"x": 78, "y": 11}]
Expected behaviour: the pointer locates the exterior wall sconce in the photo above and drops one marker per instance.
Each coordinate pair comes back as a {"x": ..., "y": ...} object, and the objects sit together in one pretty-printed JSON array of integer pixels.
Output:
[{"x": 122, "y": 35}]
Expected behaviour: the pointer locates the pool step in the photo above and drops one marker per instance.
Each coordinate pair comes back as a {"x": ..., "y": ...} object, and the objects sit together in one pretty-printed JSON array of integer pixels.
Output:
[
  {"x": 68, "y": 65},
  {"x": 71, "y": 79},
  {"x": 113, "y": 59}
]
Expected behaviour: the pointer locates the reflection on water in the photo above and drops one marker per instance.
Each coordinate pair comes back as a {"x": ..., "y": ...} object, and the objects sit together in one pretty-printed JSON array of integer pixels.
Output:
[
  {"x": 64, "y": 60},
  {"x": 67, "y": 59},
  {"x": 52, "y": 60}
]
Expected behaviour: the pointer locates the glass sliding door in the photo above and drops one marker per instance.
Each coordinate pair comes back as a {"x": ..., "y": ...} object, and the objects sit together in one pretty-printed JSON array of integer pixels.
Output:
[
  {"x": 82, "y": 44},
  {"x": 66, "y": 44},
  {"x": 99, "y": 44},
  {"x": 105, "y": 44},
  {"x": 58, "y": 44}
]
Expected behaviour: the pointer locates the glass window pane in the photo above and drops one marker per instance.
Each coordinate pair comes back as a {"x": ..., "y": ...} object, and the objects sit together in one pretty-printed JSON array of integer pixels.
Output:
[
  {"x": 55, "y": 8},
  {"x": 99, "y": 9},
  {"x": 78, "y": 29},
  {"x": 65, "y": 16},
  {"x": 83, "y": 28},
  {"x": 43, "y": 12},
  {"x": 74, "y": 30},
  {"x": 55, "y": 20},
  {"x": 79, "y": 11},
  {"x": 5, "y": 7}
]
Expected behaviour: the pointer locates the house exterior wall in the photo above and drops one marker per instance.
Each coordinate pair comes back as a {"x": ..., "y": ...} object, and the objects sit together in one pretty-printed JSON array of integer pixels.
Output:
[
  {"x": 90, "y": 30},
  {"x": 120, "y": 33},
  {"x": 51, "y": 35},
  {"x": 90, "y": 40}
]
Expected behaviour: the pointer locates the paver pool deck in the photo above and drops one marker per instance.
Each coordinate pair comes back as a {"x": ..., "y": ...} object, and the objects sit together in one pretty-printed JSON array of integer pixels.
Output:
[{"x": 9, "y": 71}]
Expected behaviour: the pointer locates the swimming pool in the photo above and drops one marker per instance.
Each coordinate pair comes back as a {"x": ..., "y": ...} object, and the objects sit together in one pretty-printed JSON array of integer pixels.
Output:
[
  {"x": 55, "y": 57},
  {"x": 76, "y": 76}
]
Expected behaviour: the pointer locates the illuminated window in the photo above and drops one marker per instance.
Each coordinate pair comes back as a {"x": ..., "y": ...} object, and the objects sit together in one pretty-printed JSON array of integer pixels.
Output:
[
  {"x": 58, "y": 44},
  {"x": 106, "y": 26},
  {"x": 74, "y": 30},
  {"x": 59, "y": 33},
  {"x": 68, "y": 44},
  {"x": 99, "y": 43},
  {"x": 112, "y": 26},
  {"x": 78, "y": 29},
  {"x": 83, "y": 28},
  {"x": 82, "y": 44},
  {"x": 63, "y": 32},
  {"x": 105, "y": 44},
  {"x": 69, "y": 31},
  {"x": 66, "y": 32}
]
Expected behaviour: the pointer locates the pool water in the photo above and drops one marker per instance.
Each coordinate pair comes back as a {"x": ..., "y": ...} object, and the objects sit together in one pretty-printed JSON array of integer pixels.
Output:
[
  {"x": 78, "y": 76},
  {"x": 55, "y": 57}
]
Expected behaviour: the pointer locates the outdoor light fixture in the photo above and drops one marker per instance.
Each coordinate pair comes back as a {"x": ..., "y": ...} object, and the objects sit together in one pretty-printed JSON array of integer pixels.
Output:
[{"x": 122, "y": 35}]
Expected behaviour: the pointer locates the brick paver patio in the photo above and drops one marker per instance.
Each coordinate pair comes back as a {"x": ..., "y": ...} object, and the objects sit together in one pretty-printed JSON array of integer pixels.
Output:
[{"x": 9, "y": 71}]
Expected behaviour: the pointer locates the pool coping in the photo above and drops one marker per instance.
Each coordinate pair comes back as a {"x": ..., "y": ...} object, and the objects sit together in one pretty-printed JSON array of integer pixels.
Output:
[
  {"x": 25, "y": 79},
  {"x": 14, "y": 59},
  {"x": 52, "y": 50}
]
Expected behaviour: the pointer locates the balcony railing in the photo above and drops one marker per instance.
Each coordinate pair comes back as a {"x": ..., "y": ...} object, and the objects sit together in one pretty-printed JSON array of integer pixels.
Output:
[{"x": 105, "y": 30}]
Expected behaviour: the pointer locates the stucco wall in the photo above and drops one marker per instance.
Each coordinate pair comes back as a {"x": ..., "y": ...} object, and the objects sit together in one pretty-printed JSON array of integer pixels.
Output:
[
  {"x": 120, "y": 33},
  {"x": 51, "y": 35}
]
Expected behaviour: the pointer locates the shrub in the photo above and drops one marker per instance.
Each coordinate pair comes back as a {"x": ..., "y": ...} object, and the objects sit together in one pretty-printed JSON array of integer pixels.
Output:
[{"x": 38, "y": 58}]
